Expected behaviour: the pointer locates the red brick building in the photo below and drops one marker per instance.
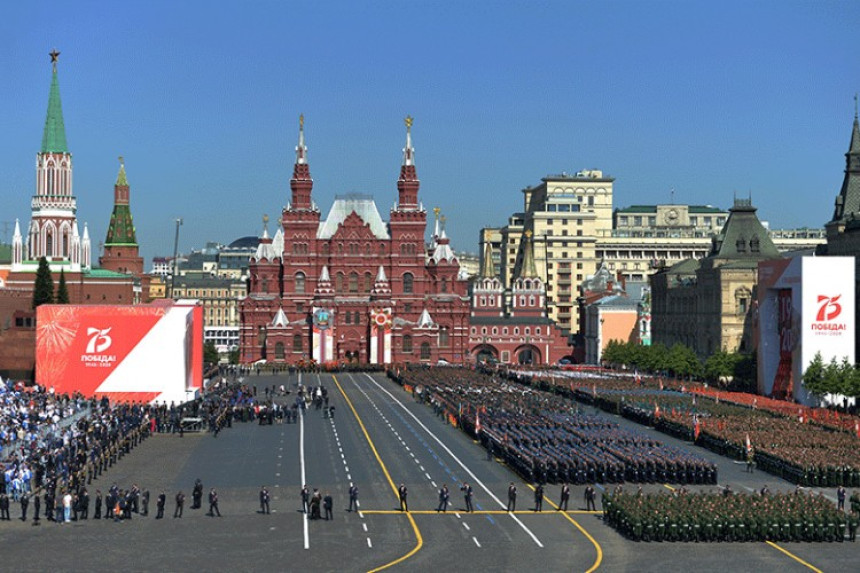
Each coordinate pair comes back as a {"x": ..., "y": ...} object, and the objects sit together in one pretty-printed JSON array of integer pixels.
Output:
[{"x": 352, "y": 287}]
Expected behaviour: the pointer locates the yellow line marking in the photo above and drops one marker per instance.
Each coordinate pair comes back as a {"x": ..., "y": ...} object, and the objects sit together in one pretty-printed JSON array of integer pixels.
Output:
[
  {"x": 594, "y": 542},
  {"x": 793, "y": 556},
  {"x": 420, "y": 540},
  {"x": 669, "y": 487},
  {"x": 479, "y": 512}
]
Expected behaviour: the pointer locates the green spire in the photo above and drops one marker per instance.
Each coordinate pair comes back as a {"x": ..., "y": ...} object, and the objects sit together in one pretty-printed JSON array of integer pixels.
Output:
[{"x": 54, "y": 138}]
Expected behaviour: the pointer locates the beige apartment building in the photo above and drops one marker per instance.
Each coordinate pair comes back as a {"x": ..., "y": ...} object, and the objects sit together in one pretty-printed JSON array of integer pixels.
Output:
[{"x": 220, "y": 298}]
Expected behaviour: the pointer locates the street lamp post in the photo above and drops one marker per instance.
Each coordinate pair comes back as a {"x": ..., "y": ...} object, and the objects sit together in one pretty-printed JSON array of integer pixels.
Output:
[{"x": 175, "y": 257}]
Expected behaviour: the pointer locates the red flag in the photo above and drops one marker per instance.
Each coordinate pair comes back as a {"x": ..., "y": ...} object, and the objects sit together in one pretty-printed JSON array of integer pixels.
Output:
[
  {"x": 478, "y": 422},
  {"x": 696, "y": 428},
  {"x": 656, "y": 410}
]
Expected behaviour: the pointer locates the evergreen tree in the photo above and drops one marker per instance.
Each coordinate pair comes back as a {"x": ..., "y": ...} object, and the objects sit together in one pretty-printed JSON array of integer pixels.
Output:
[
  {"x": 43, "y": 287},
  {"x": 210, "y": 353},
  {"x": 62, "y": 289}
]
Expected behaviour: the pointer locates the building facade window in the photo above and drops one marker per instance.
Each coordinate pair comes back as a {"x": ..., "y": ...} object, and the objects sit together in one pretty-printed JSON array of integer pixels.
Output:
[
  {"x": 297, "y": 343},
  {"x": 300, "y": 283},
  {"x": 425, "y": 351},
  {"x": 407, "y": 344},
  {"x": 279, "y": 351},
  {"x": 408, "y": 283}
]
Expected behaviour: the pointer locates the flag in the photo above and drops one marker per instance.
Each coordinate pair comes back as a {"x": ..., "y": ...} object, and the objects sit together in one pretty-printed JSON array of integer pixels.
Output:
[
  {"x": 656, "y": 410},
  {"x": 661, "y": 384},
  {"x": 857, "y": 428},
  {"x": 594, "y": 390},
  {"x": 755, "y": 403},
  {"x": 749, "y": 445},
  {"x": 696, "y": 428},
  {"x": 478, "y": 422},
  {"x": 694, "y": 399}
]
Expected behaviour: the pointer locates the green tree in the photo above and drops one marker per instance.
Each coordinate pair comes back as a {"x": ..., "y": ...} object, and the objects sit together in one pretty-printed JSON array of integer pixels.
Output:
[
  {"x": 614, "y": 353},
  {"x": 234, "y": 356},
  {"x": 683, "y": 361},
  {"x": 832, "y": 377},
  {"x": 210, "y": 353},
  {"x": 43, "y": 287},
  {"x": 62, "y": 289},
  {"x": 720, "y": 366},
  {"x": 813, "y": 377}
]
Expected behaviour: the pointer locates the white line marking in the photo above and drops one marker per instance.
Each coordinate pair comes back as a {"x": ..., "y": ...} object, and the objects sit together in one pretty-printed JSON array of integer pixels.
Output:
[
  {"x": 422, "y": 468},
  {"x": 433, "y": 482},
  {"x": 369, "y": 544},
  {"x": 304, "y": 479},
  {"x": 460, "y": 463},
  {"x": 347, "y": 468},
  {"x": 475, "y": 539},
  {"x": 466, "y": 525},
  {"x": 428, "y": 476},
  {"x": 457, "y": 514},
  {"x": 407, "y": 448},
  {"x": 364, "y": 525},
  {"x": 361, "y": 514},
  {"x": 349, "y": 477}
]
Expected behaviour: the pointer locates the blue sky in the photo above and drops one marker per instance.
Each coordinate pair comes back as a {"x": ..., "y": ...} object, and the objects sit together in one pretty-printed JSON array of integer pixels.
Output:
[{"x": 202, "y": 99}]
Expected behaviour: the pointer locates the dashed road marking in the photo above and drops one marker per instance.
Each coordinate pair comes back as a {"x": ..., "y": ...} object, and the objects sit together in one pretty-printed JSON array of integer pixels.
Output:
[
  {"x": 475, "y": 539},
  {"x": 466, "y": 525}
]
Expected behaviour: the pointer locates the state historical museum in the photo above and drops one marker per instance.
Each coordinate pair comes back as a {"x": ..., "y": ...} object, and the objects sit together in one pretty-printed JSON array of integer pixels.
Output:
[{"x": 351, "y": 287}]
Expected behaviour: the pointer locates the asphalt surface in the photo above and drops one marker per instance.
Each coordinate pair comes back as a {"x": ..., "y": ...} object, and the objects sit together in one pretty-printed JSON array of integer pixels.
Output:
[{"x": 378, "y": 439}]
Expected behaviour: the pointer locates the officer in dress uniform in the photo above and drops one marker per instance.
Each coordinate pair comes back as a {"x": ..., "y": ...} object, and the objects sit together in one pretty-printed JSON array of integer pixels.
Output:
[{"x": 565, "y": 497}]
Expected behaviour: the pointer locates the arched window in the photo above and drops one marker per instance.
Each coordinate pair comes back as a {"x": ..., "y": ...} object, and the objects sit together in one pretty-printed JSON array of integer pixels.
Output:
[
  {"x": 325, "y": 249},
  {"x": 265, "y": 284},
  {"x": 279, "y": 351},
  {"x": 425, "y": 351},
  {"x": 348, "y": 317},
  {"x": 367, "y": 249},
  {"x": 495, "y": 330},
  {"x": 381, "y": 248},
  {"x": 483, "y": 301},
  {"x": 444, "y": 284},
  {"x": 49, "y": 244},
  {"x": 298, "y": 345},
  {"x": 444, "y": 339},
  {"x": 353, "y": 282},
  {"x": 300, "y": 283},
  {"x": 338, "y": 282},
  {"x": 407, "y": 344},
  {"x": 368, "y": 282},
  {"x": 65, "y": 251},
  {"x": 408, "y": 286}
]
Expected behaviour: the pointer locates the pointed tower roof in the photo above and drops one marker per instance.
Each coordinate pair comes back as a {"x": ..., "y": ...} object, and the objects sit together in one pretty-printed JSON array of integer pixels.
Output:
[
  {"x": 324, "y": 288},
  {"x": 54, "y": 136},
  {"x": 408, "y": 184},
  {"x": 528, "y": 269},
  {"x": 848, "y": 200},
  {"x": 380, "y": 285},
  {"x": 488, "y": 268},
  {"x": 743, "y": 236},
  {"x": 121, "y": 228},
  {"x": 17, "y": 229},
  {"x": 301, "y": 148},
  {"x": 301, "y": 183}
]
